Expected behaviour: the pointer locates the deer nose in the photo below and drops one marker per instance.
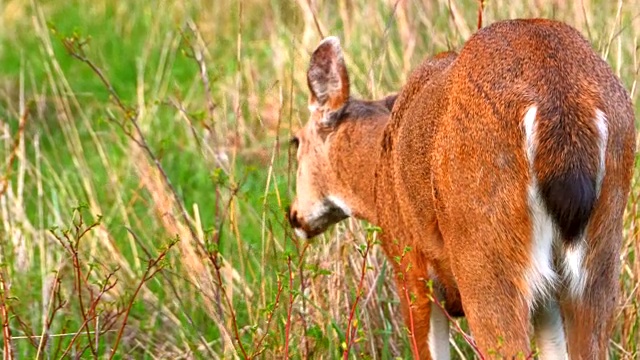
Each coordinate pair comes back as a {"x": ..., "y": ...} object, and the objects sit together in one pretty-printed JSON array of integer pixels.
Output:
[{"x": 293, "y": 218}]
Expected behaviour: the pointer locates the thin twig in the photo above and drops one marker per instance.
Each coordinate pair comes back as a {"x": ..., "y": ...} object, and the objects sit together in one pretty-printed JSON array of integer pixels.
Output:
[
  {"x": 176, "y": 295},
  {"x": 198, "y": 56},
  {"x": 350, "y": 333},
  {"x": 26, "y": 329},
  {"x": 258, "y": 350},
  {"x": 287, "y": 331},
  {"x": 72, "y": 246},
  {"x": 213, "y": 257},
  {"x": 407, "y": 297},
  {"x": 56, "y": 297},
  {"x": 154, "y": 266},
  {"x": 106, "y": 286},
  {"x": 302, "y": 291},
  {"x": 56, "y": 335},
  {"x": 4, "y": 312},
  {"x": 74, "y": 249}
]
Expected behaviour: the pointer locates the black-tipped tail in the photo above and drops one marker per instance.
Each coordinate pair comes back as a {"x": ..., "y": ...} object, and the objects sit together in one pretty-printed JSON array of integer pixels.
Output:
[{"x": 569, "y": 199}]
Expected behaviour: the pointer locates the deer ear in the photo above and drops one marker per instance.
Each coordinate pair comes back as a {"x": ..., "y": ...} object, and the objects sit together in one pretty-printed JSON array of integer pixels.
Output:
[{"x": 327, "y": 78}]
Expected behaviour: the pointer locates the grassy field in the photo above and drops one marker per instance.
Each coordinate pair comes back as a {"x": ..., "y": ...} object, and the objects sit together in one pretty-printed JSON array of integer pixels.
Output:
[{"x": 146, "y": 168}]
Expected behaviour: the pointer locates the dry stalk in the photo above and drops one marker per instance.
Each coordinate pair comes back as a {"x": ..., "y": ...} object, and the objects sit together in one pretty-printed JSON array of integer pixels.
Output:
[
  {"x": 480, "y": 11},
  {"x": 14, "y": 152}
]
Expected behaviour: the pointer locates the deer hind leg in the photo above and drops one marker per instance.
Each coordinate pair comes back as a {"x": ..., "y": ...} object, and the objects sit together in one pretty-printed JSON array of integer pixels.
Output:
[
  {"x": 438, "y": 340},
  {"x": 578, "y": 323},
  {"x": 497, "y": 313},
  {"x": 549, "y": 331},
  {"x": 493, "y": 278},
  {"x": 425, "y": 319},
  {"x": 590, "y": 293},
  {"x": 543, "y": 280}
]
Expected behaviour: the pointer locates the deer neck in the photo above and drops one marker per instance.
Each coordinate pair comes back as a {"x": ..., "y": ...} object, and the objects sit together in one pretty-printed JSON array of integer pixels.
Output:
[{"x": 354, "y": 156}]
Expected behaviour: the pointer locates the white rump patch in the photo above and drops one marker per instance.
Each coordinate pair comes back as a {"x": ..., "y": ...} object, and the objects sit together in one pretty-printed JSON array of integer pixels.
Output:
[
  {"x": 549, "y": 332},
  {"x": 572, "y": 265},
  {"x": 541, "y": 276},
  {"x": 603, "y": 130},
  {"x": 530, "y": 133},
  {"x": 438, "y": 334}
]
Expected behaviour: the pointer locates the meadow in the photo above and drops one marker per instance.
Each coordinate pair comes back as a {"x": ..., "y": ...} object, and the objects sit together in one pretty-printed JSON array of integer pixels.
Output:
[{"x": 146, "y": 169}]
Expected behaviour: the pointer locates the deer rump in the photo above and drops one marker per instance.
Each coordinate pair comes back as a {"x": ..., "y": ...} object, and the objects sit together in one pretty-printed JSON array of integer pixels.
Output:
[{"x": 491, "y": 123}]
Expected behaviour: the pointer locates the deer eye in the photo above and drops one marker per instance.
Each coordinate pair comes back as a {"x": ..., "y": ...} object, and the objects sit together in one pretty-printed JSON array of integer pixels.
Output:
[{"x": 294, "y": 142}]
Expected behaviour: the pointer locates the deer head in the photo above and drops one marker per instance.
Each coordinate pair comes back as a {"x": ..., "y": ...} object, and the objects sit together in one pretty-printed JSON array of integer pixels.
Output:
[
  {"x": 319, "y": 203},
  {"x": 341, "y": 132}
]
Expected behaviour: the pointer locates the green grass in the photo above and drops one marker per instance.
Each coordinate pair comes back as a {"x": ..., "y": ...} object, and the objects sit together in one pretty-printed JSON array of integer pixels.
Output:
[{"x": 229, "y": 166}]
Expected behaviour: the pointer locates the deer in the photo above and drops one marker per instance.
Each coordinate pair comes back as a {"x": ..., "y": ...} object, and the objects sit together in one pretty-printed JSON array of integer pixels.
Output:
[{"x": 504, "y": 167}]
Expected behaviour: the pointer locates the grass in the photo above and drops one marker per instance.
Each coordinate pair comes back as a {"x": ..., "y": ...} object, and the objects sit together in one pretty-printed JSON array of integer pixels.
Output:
[{"x": 177, "y": 225}]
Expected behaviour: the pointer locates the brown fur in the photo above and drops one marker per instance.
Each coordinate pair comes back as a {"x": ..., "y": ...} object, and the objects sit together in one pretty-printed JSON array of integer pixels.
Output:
[{"x": 446, "y": 174}]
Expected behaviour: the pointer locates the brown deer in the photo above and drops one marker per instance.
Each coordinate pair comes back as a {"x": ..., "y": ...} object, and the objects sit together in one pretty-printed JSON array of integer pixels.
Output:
[{"x": 505, "y": 168}]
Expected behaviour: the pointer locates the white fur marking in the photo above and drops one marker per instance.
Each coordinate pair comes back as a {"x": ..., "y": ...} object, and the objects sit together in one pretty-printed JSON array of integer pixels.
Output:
[
  {"x": 573, "y": 271},
  {"x": 601, "y": 123},
  {"x": 340, "y": 204},
  {"x": 318, "y": 211},
  {"x": 333, "y": 40},
  {"x": 549, "y": 333},
  {"x": 326, "y": 81},
  {"x": 541, "y": 276},
  {"x": 300, "y": 233},
  {"x": 530, "y": 133},
  {"x": 438, "y": 334}
]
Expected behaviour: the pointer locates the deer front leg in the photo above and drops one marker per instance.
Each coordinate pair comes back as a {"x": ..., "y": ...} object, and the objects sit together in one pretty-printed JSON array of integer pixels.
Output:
[{"x": 425, "y": 320}]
